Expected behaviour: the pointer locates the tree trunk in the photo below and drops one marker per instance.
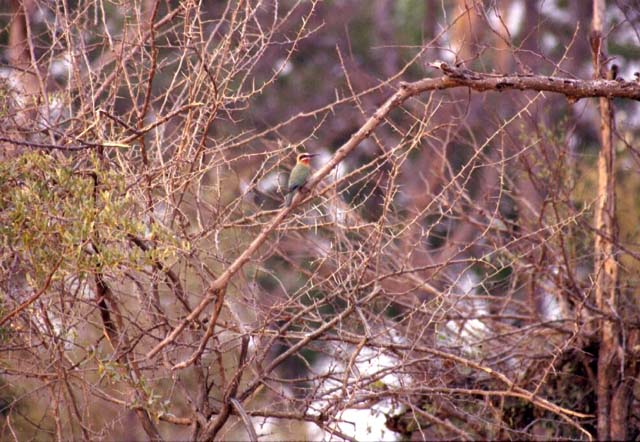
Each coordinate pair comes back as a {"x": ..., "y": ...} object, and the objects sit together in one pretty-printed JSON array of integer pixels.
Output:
[{"x": 605, "y": 263}]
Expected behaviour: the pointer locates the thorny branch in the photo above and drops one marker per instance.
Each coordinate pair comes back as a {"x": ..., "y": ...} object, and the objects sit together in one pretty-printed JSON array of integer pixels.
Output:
[{"x": 440, "y": 277}]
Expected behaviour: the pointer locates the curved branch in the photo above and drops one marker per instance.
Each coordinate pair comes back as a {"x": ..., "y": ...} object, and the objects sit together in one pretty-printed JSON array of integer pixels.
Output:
[
  {"x": 572, "y": 88},
  {"x": 455, "y": 77}
]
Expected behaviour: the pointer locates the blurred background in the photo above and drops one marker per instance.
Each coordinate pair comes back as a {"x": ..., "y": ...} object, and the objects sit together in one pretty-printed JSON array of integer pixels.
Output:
[{"x": 440, "y": 283}]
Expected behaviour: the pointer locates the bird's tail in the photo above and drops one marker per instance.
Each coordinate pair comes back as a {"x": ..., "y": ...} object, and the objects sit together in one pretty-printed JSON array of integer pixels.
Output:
[{"x": 287, "y": 199}]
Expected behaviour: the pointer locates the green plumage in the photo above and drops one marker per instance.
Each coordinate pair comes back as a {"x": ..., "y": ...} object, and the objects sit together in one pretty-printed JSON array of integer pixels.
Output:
[{"x": 297, "y": 178}]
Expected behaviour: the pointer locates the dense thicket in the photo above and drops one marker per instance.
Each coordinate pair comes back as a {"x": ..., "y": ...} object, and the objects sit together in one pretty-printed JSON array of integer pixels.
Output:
[{"x": 463, "y": 265}]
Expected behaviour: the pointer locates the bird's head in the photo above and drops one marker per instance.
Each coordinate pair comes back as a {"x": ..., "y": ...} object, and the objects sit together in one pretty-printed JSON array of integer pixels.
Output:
[{"x": 305, "y": 158}]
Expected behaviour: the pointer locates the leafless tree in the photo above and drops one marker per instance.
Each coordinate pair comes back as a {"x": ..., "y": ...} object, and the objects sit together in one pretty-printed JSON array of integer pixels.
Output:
[{"x": 461, "y": 264}]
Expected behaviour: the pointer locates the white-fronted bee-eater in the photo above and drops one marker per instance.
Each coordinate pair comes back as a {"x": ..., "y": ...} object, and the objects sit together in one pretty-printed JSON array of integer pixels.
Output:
[{"x": 299, "y": 175}]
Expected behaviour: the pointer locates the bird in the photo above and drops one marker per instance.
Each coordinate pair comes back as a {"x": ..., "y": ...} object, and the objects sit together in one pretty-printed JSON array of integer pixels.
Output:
[{"x": 298, "y": 176}]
